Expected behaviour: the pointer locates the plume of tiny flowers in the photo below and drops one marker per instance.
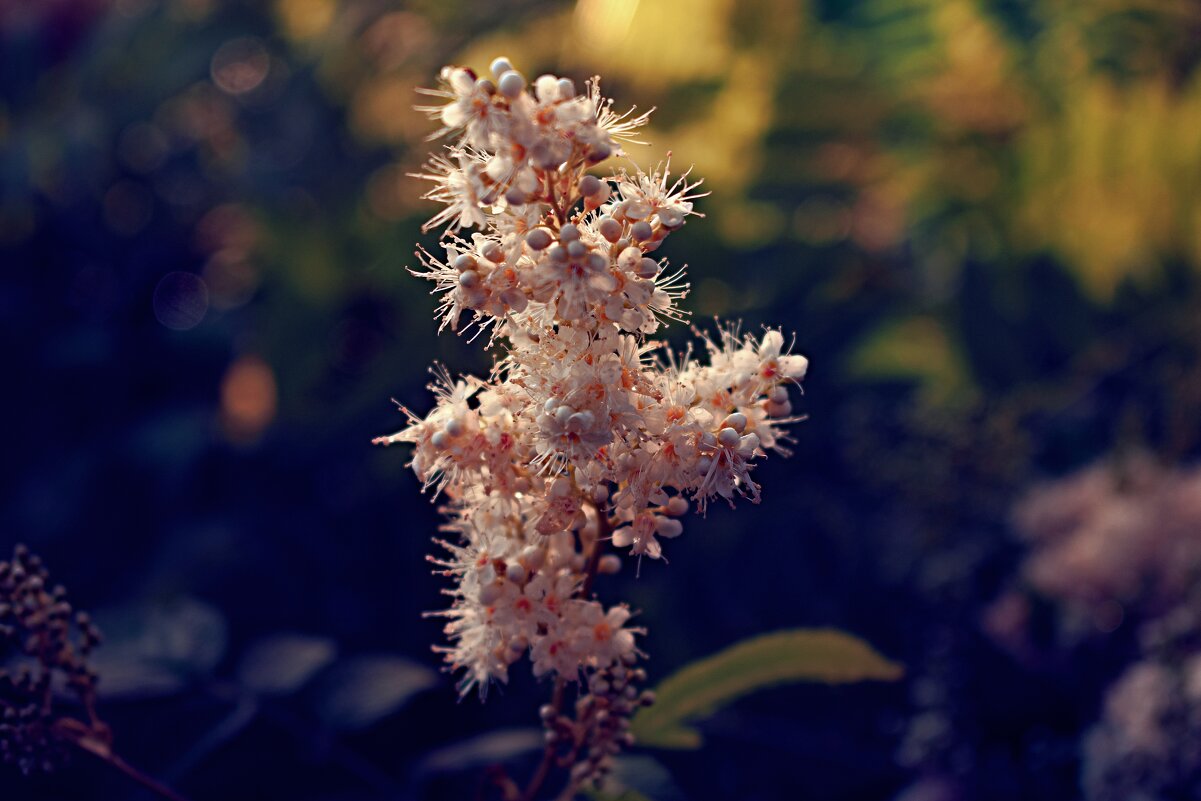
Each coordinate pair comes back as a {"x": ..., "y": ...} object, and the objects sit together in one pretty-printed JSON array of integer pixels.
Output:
[{"x": 587, "y": 433}]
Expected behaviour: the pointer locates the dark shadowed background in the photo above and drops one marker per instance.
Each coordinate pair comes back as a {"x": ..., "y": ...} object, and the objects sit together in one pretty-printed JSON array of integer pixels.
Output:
[{"x": 981, "y": 218}]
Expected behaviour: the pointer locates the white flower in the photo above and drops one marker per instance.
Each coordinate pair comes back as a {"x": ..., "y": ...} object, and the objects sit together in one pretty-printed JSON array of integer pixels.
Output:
[{"x": 586, "y": 434}]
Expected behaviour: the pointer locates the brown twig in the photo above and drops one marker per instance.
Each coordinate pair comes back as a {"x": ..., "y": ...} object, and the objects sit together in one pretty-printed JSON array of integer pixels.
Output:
[
  {"x": 548, "y": 753},
  {"x": 87, "y": 740}
]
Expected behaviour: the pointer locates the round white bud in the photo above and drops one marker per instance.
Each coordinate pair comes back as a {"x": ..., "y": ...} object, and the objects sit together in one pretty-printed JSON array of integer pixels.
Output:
[
  {"x": 566, "y": 89},
  {"x": 576, "y": 249},
  {"x": 647, "y": 268},
  {"x": 499, "y": 66},
  {"x": 465, "y": 261},
  {"x": 677, "y": 505},
  {"x": 581, "y": 421},
  {"x": 490, "y": 593},
  {"x": 454, "y": 426},
  {"x": 736, "y": 421},
  {"x": 609, "y": 228},
  {"x": 779, "y": 409},
  {"x": 589, "y": 185},
  {"x": 609, "y": 565},
  {"x": 668, "y": 527},
  {"x": 515, "y": 573},
  {"x": 494, "y": 252},
  {"x": 440, "y": 439},
  {"x": 510, "y": 83},
  {"x": 532, "y": 557},
  {"x": 569, "y": 233},
  {"x": 469, "y": 279},
  {"x": 641, "y": 231},
  {"x": 515, "y": 196},
  {"x": 538, "y": 239},
  {"x": 727, "y": 438},
  {"x": 515, "y": 299}
]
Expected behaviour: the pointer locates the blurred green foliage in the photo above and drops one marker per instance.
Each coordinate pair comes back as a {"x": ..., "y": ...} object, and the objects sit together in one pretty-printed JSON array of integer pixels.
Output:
[{"x": 980, "y": 217}]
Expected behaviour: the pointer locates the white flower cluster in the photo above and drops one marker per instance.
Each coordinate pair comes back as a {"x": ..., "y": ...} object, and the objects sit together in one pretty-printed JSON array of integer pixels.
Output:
[{"x": 585, "y": 432}]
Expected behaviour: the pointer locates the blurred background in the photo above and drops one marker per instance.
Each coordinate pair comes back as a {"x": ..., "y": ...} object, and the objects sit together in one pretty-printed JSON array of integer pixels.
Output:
[{"x": 982, "y": 218}]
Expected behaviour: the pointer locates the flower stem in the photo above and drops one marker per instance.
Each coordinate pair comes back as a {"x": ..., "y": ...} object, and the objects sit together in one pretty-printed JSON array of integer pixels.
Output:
[
  {"x": 603, "y": 532},
  {"x": 83, "y": 738}
]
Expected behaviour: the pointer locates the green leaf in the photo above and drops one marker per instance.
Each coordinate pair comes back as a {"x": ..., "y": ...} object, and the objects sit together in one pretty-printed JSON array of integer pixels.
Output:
[
  {"x": 157, "y": 648},
  {"x": 362, "y": 691},
  {"x": 699, "y": 689},
  {"x": 283, "y": 663},
  {"x": 490, "y": 748},
  {"x": 913, "y": 349}
]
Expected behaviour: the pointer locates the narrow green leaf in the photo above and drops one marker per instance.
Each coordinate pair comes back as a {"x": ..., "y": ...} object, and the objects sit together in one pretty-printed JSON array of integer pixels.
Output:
[
  {"x": 283, "y": 663},
  {"x": 699, "y": 689},
  {"x": 360, "y": 692}
]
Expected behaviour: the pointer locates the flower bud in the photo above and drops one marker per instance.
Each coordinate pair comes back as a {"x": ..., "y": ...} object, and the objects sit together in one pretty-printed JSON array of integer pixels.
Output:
[
  {"x": 490, "y": 593},
  {"x": 599, "y": 152},
  {"x": 515, "y": 196},
  {"x": 609, "y": 565},
  {"x": 668, "y": 527},
  {"x": 727, "y": 438},
  {"x": 736, "y": 421},
  {"x": 538, "y": 239},
  {"x": 647, "y": 268},
  {"x": 589, "y": 185},
  {"x": 748, "y": 445},
  {"x": 499, "y": 66},
  {"x": 641, "y": 231},
  {"x": 494, "y": 252},
  {"x": 510, "y": 83},
  {"x": 677, "y": 505},
  {"x": 569, "y": 232},
  {"x": 515, "y": 299},
  {"x": 609, "y": 228}
]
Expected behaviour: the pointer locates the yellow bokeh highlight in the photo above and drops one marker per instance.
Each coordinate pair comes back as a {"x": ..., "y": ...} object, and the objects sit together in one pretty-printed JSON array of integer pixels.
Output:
[{"x": 304, "y": 20}]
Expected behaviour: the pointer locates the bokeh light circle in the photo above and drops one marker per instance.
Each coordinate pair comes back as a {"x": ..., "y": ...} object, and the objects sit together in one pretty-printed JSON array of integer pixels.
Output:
[{"x": 180, "y": 301}]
